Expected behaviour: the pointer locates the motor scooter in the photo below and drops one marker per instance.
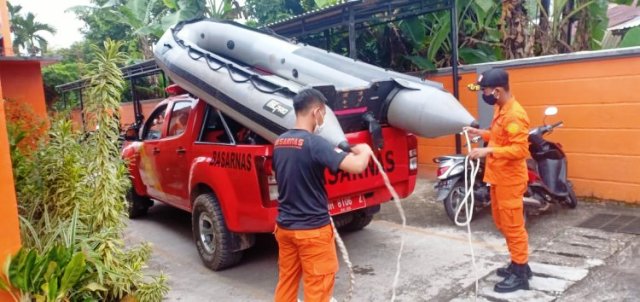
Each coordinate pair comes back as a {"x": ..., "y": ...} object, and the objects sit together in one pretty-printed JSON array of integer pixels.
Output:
[{"x": 547, "y": 170}]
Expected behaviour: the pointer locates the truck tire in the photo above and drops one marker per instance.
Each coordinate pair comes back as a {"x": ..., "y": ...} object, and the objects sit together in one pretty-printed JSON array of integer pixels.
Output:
[
  {"x": 359, "y": 221},
  {"x": 213, "y": 239},
  {"x": 137, "y": 206}
]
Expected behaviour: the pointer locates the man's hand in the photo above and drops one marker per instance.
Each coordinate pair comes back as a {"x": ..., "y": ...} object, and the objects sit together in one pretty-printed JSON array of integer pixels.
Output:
[
  {"x": 357, "y": 160},
  {"x": 360, "y": 149},
  {"x": 480, "y": 152},
  {"x": 473, "y": 132}
]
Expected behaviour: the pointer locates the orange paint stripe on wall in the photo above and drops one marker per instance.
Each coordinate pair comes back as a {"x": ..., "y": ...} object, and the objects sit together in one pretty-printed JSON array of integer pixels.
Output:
[
  {"x": 607, "y": 190},
  {"x": 599, "y": 141},
  {"x": 22, "y": 81},
  {"x": 585, "y": 116},
  {"x": 426, "y": 154},
  {"x": 579, "y": 91},
  {"x": 445, "y": 141},
  {"x": 9, "y": 226},
  {"x": 622, "y": 169},
  {"x": 588, "y": 69}
]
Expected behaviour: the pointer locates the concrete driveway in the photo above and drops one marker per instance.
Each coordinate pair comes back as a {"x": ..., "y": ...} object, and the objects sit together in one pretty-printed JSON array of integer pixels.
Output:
[{"x": 569, "y": 263}]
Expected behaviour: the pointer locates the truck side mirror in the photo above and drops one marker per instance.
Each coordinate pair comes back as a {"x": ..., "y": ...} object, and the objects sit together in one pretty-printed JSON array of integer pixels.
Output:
[{"x": 131, "y": 134}]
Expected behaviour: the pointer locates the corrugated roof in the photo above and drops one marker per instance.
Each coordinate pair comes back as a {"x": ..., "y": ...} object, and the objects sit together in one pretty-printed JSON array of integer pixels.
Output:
[
  {"x": 631, "y": 23},
  {"x": 619, "y": 14},
  {"x": 340, "y": 4}
]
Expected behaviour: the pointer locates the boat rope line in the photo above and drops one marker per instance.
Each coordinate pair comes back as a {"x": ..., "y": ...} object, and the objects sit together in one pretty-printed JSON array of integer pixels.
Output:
[
  {"x": 396, "y": 201},
  {"x": 343, "y": 249},
  {"x": 345, "y": 257},
  {"x": 471, "y": 169}
]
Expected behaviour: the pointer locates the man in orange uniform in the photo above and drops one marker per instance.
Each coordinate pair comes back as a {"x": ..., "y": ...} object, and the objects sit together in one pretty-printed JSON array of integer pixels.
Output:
[
  {"x": 306, "y": 246},
  {"x": 506, "y": 172}
]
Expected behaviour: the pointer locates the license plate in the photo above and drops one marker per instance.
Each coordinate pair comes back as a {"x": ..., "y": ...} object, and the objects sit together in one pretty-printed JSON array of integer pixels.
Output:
[
  {"x": 344, "y": 205},
  {"x": 443, "y": 184}
]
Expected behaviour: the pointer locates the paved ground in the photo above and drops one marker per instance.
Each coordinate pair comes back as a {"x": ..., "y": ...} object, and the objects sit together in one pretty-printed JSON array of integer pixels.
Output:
[{"x": 570, "y": 264}]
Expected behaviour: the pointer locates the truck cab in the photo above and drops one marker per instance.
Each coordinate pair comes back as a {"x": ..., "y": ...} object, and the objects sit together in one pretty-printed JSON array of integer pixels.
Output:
[{"x": 190, "y": 155}]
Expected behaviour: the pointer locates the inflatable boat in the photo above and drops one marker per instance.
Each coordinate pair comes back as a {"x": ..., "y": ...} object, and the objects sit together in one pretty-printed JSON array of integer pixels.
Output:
[{"x": 252, "y": 76}]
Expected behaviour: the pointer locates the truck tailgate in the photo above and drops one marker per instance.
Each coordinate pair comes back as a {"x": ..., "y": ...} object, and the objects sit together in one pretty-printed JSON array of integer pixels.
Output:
[{"x": 352, "y": 191}]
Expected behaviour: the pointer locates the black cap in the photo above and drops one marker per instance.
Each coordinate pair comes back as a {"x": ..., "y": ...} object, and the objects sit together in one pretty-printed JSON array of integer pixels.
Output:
[{"x": 496, "y": 77}]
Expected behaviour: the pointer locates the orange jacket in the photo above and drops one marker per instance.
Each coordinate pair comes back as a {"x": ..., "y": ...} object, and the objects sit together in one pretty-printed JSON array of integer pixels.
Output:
[{"x": 508, "y": 137}]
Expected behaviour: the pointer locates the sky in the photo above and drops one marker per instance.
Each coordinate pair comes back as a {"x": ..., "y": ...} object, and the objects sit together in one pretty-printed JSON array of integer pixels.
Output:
[{"x": 52, "y": 12}]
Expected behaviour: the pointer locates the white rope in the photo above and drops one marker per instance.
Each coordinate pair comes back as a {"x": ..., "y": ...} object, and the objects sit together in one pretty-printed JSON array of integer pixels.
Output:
[
  {"x": 343, "y": 249},
  {"x": 345, "y": 257},
  {"x": 468, "y": 202},
  {"x": 396, "y": 201}
]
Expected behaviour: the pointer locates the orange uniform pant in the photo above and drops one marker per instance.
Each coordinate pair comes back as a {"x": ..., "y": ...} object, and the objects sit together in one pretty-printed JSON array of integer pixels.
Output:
[
  {"x": 508, "y": 214},
  {"x": 310, "y": 254}
]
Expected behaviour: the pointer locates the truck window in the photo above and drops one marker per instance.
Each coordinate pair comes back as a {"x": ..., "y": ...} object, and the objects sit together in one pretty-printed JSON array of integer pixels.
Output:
[
  {"x": 241, "y": 134},
  {"x": 179, "y": 118},
  {"x": 214, "y": 129},
  {"x": 153, "y": 126}
]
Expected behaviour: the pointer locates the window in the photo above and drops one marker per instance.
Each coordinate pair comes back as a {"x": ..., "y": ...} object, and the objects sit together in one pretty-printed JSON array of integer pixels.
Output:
[
  {"x": 179, "y": 118},
  {"x": 214, "y": 129},
  {"x": 153, "y": 126},
  {"x": 242, "y": 135}
]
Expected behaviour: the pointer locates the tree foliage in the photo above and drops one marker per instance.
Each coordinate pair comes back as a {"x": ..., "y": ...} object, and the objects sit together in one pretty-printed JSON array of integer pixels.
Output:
[{"x": 28, "y": 31}]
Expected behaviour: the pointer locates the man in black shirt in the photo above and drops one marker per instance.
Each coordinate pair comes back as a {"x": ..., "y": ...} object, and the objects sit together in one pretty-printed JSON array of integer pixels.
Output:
[{"x": 303, "y": 231}]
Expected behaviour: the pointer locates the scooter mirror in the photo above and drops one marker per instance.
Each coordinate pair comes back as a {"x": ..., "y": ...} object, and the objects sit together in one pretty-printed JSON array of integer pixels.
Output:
[{"x": 551, "y": 111}]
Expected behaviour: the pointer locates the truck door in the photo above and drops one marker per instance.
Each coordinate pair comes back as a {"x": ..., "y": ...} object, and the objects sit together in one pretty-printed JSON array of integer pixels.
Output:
[
  {"x": 150, "y": 172},
  {"x": 175, "y": 156}
]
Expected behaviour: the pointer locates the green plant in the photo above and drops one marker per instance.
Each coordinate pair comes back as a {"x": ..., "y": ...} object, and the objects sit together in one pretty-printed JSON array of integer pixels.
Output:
[
  {"x": 430, "y": 41},
  {"x": 81, "y": 175},
  {"x": 591, "y": 16},
  {"x": 58, "y": 74},
  {"x": 631, "y": 38},
  {"x": 52, "y": 274}
]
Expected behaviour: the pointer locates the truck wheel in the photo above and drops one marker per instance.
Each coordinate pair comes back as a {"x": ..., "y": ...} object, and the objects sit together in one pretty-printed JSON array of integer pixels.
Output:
[
  {"x": 213, "y": 239},
  {"x": 137, "y": 205},
  {"x": 359, "y": 221},
  {"x": 454, "y": 200},
  {"x": 572, "y": 200}
]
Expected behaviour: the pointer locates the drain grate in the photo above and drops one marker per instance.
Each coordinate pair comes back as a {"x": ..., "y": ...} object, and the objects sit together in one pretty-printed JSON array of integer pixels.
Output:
[{"x": 613, "y": 223}]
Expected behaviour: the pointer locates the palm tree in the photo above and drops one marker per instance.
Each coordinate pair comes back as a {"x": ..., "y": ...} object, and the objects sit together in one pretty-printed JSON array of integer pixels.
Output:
[
  {"x": 14, "y": 10},
  {"x": 27, "y": 34}
]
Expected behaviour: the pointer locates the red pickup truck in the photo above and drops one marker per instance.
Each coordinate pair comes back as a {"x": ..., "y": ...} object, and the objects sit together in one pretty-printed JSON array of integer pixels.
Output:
[{"x": 192, "y": 156}]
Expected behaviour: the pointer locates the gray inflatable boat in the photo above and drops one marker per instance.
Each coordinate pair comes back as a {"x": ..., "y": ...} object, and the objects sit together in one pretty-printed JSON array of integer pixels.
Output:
[{"x": 252, "y": 76}]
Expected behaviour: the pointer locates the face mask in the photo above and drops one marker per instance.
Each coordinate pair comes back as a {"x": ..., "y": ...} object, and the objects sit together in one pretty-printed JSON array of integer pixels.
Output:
[
  {"x": 319, "y": 126},
  {"x": 489, "y": 99}
]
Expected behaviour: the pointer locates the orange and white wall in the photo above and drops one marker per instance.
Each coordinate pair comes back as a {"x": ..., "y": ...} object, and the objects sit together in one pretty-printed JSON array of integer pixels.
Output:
[{"x": 597, "y": 100}]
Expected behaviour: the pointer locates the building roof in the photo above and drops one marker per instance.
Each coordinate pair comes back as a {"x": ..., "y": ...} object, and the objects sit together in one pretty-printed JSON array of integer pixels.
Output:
[
  {"x": 360, "y": 11},
  {"x": 620, "y": 14},
  {"x": 44, "y": 61}
]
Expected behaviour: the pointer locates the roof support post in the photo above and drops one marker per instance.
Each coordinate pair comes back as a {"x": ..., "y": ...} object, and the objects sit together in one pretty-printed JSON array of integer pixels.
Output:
[
  {"x": 352, "y": 35},
  {"x": 84, "y": 126},
  {"x": 454, "y": 60},
  {"x": 136, "y": 103}
]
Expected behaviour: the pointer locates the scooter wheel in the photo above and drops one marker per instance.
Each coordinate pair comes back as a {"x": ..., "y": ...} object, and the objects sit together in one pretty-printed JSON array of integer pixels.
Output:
[
  {"x": 454, "y": 200},
  {"x": 572, "y": 200}
]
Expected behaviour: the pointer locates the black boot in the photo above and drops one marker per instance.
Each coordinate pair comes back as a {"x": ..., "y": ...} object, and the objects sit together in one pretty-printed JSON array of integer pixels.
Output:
[
  {"x": 517, "y": 280},
  {"x": 508, "y": 270}
]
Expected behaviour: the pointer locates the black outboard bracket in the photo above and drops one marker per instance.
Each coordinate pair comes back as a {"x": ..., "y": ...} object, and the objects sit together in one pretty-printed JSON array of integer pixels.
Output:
[{"x": 375, "y": 129}]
